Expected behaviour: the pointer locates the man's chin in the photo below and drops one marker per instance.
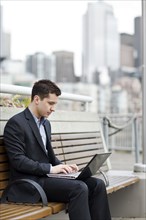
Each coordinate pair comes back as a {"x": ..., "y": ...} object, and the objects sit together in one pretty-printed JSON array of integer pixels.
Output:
[{"x": 47, "y": 115}]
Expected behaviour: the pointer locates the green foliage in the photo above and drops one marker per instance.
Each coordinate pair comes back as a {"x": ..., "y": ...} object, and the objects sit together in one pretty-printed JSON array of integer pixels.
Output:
[{"x": 16, "y": 101}]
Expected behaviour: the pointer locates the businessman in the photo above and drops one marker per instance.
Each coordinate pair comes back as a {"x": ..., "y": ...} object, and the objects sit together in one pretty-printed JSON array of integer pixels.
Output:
[{"x": 27, "y": 137}]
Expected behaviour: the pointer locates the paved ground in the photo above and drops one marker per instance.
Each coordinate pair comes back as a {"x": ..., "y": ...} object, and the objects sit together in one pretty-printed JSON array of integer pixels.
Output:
[
  {"x": 119, "y": 160},
  {"x": 62, "y": 216},
  {"x": 123, "y": 160}
]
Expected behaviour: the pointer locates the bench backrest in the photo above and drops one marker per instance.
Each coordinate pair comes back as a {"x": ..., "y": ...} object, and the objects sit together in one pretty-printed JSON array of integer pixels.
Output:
[{"x": 76, "y": 137}]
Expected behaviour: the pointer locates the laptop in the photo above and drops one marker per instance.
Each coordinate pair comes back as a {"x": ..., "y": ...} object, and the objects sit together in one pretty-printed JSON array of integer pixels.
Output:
[{"x": 89, "y": 170}]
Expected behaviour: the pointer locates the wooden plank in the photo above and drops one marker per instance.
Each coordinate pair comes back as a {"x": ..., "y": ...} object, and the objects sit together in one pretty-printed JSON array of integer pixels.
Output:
[
  {"x": 55, "y": 137},
  {"x": 70, "y": 116},
  {"x": 3, "y": 184},
  {"x": 58, "y": 151},
  {"x": 82, "y": 154},
  {"x": 23, "y": 212},
  {"x": 79, "y": 161},
  {"x": 80, "y": 135},
  {"x": 122, "y": 182},
  {"x": 2, "y": 149},
  {"x": 56, "y": 144},
  {"x": 56, "y": 206},
  {"x": 79, "y": 142},
  {"x": 3, "y": 157},
  {"x": 70, "y": 149},
  {"x": 1, "y": 140},
  {"x": 4, "y": 166},
  {"x": 73, "y": 127},
  {"x": 4, "y": 175}
]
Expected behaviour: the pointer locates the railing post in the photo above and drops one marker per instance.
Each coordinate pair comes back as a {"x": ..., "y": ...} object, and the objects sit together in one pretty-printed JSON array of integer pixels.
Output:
[
  {"x": 136, "y": 144},
  {"x": 105, "y": 131},
  {"x": 144, "y": 79},
  {"x": 142, "y": 166}
]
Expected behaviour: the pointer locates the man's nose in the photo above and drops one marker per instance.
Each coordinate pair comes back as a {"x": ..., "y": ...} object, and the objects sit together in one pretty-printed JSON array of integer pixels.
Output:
[{"x": 53, "y": 108}]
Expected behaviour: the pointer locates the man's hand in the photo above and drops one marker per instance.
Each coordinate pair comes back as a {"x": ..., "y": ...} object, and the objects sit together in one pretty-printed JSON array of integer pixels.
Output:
[{"x": 64, "y": 168}]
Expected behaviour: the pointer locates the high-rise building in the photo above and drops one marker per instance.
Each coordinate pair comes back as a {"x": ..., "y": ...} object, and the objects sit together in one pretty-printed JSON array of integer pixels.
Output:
[
  {"x": 138, "y": 41},
  {"x": 41, "y": 66},
  {"x": 5, "y": 39},
  {"x": 1, "y": 28},
  {"x": 64, "y": 66},
  {"x": 101, "y": 45},
  {"x": 127, "y": 50}
]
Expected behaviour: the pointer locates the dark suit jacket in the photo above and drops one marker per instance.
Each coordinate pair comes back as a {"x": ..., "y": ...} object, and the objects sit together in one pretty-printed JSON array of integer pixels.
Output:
[{"x": 27, "y": 156}]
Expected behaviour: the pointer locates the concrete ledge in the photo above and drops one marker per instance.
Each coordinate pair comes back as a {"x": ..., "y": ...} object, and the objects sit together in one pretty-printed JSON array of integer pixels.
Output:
[
  {"x": 139, "y": 167},
  {"x": 130, "y": 202}
]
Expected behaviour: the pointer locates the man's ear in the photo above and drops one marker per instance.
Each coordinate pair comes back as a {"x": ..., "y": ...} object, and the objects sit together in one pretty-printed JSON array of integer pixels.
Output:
[{"x": 36, "y": 99}]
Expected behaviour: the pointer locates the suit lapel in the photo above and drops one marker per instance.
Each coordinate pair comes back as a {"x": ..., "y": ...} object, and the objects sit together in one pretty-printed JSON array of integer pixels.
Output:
[
  {"x": 34, "y": 128},
  {"x": 48, "y": 132}
]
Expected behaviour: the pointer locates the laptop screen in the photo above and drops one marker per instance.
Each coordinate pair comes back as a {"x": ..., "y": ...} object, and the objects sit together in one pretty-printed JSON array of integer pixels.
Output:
[{"x": 94, "y": 165}]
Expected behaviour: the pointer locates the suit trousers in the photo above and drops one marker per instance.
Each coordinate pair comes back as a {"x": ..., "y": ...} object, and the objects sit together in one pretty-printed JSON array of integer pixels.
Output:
[{"x": 87, "y": 200}]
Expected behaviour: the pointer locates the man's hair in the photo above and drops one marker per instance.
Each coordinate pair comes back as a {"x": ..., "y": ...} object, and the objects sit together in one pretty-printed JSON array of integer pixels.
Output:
[{"x": 43, "y": 87}]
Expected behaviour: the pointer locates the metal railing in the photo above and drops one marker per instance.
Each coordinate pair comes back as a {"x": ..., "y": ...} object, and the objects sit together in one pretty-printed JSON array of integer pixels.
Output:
[
  {"x": 123, "y": 132},
  {"x": 22, "y": 90}
]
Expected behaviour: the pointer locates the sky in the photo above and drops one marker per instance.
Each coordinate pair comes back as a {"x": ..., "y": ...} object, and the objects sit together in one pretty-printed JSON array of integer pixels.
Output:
[{"x": 46, "y": 25}]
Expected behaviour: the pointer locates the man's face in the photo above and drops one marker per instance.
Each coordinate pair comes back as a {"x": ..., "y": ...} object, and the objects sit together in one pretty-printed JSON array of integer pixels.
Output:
[{"x": 45, "y": 106}]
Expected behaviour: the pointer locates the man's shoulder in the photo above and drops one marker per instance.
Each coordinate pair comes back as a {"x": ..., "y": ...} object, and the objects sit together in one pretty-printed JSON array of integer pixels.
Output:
[{"x": 18, "y": 116}]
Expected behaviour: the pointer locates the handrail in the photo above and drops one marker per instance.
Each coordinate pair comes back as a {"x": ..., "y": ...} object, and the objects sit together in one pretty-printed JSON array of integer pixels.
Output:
[
  {"x": 107, "y": 123},
  {"x": 112, "y": 125},
  {"x": 22, "y": 90}
]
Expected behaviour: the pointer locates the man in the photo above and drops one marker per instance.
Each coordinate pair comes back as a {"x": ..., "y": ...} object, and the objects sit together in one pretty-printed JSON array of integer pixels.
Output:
[{"x": 27, "y": 136}]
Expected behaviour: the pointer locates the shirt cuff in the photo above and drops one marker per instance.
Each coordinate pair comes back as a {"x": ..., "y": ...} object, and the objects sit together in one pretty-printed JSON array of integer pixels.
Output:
[{"x": 50, "y": 168}]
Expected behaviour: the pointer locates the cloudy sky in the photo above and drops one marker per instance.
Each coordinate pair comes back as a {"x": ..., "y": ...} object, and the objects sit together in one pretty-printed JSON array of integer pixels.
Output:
[{"x": 56, "y": 25}]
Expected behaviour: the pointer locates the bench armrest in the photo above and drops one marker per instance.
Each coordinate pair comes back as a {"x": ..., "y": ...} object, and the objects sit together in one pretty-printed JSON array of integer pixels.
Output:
[
  {"x": 105, "y": 178},
  {"x": 36, "y": 185}
]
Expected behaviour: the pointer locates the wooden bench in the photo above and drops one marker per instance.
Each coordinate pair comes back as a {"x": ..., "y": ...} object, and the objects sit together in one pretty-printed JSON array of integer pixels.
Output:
[{"x": 76, "y": 137}]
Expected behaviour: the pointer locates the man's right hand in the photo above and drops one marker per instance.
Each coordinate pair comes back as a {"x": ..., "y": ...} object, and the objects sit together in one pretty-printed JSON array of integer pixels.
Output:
[{"x": 64, "y": 168}]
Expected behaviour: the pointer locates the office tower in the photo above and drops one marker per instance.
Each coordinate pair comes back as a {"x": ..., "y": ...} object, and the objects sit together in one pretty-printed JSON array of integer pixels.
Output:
[
  {"x": 138, "y": 41},
  {"x": 41, "y": 66},
  {"x": 127, "y": 50},
  {"x": 101, "y": 46},
  {"x": 5, "y": 39},
  {"x": 1, "y": 30},
  {"x": 64, "y": 66}
]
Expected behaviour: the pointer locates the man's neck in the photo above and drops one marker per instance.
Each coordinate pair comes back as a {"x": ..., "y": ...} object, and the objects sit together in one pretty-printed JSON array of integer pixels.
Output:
[{"x": 33, "y": 111}]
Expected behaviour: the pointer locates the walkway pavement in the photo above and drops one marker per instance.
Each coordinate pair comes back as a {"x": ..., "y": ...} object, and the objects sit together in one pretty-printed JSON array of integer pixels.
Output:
[
  {"x": 63, "y": 216},
  {"x": 123, "y": 160}
]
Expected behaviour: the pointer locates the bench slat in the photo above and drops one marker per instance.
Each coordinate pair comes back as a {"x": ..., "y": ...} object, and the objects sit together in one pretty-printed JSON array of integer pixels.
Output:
[
  {"x": 80, "y": 142},
  {"x": 3, "y": 184},
  {"x": 56, "y": 206},
  {"x": 4, "y": 166},
  {"x": 2, "y": 149},
  {"x": 70, "y": 149},
  {"x": 4, "y": 175},
  {"x": 3, "y": 157},
  {"x": 23, "y": 212}
]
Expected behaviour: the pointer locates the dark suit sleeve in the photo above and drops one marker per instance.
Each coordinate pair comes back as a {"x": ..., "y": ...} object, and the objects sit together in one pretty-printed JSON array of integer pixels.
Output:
[{"x": 14, "y": 137}]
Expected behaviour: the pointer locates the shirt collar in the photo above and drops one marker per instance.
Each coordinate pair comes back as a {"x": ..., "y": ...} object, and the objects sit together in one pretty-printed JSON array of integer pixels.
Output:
[{"x": 39, "y": 121}]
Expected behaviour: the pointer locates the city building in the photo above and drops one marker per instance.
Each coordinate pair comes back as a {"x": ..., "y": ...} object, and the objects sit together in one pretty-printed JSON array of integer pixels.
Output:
[
  {"x": 138, "y": 41},
  {"x": 119, "y": 100},
  {"x": 41, "y": 66},
  {"x": 127, "y": 50},
  {"x": 5, "y": 40},
  {"x": 64, "y": 66},
  {"x": 101, "y": 44},
  {"x": 13, "y": 72}
]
